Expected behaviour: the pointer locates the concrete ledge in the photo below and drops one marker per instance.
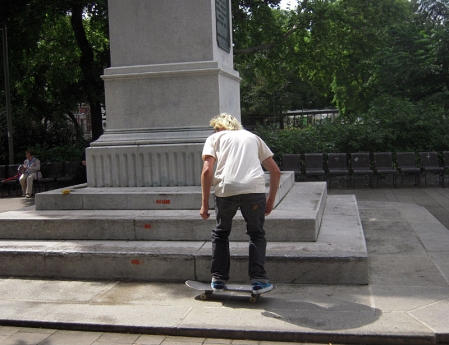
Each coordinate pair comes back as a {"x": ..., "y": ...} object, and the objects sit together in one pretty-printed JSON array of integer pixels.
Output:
[
  {"x": 102, "y": 260},
  {"x": 296, "y": 218},
  {"x": 82, "y": 197}
]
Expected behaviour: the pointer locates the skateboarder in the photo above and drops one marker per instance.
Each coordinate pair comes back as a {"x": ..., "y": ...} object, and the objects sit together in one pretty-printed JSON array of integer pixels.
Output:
[{"x": 239, "y": 182}]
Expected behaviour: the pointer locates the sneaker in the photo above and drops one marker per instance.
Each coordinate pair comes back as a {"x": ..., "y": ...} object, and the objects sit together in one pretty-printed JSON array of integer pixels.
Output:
[
  {"x": 28, "y": 196},
  {"x": 218, "y": 285},
  {"x": 260, "y": 287}
]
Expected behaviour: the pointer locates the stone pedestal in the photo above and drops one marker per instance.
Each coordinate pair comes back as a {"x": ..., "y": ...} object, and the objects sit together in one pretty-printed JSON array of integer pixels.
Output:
[{"x": 171, "y": 73}]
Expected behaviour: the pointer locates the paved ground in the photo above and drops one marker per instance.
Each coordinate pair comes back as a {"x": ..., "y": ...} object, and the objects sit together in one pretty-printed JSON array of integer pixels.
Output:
[{"x": 406, "y": 301}]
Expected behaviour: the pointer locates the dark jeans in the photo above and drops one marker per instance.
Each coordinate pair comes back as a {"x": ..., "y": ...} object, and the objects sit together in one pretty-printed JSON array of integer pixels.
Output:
[{"x": 252, "y": 207}]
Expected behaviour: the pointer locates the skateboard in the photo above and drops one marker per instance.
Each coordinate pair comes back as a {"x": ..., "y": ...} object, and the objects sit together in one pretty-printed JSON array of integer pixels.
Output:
[{"x": 207, "y": 290}]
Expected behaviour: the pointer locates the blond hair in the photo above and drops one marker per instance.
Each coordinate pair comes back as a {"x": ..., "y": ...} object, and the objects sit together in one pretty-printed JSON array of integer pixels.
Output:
[{"x": 226, "y": 122}]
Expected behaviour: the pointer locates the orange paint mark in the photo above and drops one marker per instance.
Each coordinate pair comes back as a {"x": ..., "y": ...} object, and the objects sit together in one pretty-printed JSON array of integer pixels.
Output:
[
  {"x": 147, "y": 226},
  {"x": 135, "y": 262},
  {"x": 162, "y": 201}
]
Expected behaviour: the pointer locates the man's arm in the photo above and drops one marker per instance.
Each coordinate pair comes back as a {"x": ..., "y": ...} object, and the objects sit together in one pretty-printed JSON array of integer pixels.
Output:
[
  {"x": 206, "y": 182},
  {"x": 275, "y": 177}
]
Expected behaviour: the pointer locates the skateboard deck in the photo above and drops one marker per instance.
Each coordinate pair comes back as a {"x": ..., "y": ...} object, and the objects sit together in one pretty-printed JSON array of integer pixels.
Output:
[{"x": 207, "y": 290}]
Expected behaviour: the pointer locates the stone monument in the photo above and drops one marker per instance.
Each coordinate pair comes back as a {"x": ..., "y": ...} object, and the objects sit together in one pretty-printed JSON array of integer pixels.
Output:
[{"x": 172, "y": 71}]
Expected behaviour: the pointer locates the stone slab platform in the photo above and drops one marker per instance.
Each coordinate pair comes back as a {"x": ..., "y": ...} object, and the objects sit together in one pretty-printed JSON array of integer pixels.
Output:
[
  {"x": 338, "y": 256},
  {"x": 82, "y": 197},
  {"x": 297, "y": 218}
]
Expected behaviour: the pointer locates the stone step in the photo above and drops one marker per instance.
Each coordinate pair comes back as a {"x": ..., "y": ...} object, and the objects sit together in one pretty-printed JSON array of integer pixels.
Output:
[
  {"x": 82, "y": 197},
  {"x": 296, "y": 218},
  {"x": 339, "y": 256}
]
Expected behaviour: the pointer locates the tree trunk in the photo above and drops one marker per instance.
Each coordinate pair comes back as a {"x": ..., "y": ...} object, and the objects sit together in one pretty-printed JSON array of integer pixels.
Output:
[{"x": 92, "y": 83}]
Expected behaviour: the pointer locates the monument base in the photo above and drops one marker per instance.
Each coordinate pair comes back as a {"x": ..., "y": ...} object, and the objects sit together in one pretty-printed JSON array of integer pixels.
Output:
[
  {"x": 144, "y": 165},
  {"x": 157, "y": 123}
]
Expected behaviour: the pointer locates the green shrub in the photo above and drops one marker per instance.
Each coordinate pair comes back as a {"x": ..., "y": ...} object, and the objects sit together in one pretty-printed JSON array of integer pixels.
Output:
[
  {"x": 57, "y": 154},
  {"x": 391, "y": 125}
]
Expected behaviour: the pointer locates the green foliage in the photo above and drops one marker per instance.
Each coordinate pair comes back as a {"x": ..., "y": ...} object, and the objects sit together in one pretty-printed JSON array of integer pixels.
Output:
[
  {"x": 293, "y": 140},
  {"x": 46, "y": 78},
  {"x": 265, "y": 54},
  {"x": 343, "y": 38},
  {"x": 406, "y": 126},
  {"x": 384, "y": 64},
  {"x": 391, "y": 125},
  {"x": 57, "y": 154}
]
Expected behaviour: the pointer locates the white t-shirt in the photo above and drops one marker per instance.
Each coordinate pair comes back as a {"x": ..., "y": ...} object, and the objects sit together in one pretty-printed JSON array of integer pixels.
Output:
[{"x": 239, "y": 155}]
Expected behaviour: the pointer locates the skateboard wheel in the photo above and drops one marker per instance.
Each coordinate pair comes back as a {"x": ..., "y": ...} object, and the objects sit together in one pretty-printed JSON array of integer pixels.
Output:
[
  {"x": 203, "y": 296},
  {"x": 253, "y": 299}
]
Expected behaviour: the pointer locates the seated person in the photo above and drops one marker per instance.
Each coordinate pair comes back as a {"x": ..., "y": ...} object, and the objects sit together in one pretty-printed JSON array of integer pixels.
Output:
[{"x": 30, "y": 171}]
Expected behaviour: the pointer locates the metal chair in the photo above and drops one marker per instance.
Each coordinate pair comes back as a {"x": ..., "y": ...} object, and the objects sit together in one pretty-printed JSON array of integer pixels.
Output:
[
  {"x": 361, "y": 166},
  {"x": 406, "y": 163},
  {"x": 292, "y": 162},
  {"x": 337, "y": 166},
  {"x": 50, "y": 171},
  {"x": 430, "y": 164},
  {"x": 384, "y": 165},
  {"x": 446, "y": 160},
  {"x": 313, "y": 165}
]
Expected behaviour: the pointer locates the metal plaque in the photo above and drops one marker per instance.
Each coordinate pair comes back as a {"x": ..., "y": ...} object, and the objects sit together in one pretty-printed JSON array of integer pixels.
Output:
[{"x": 223, "y": 24}]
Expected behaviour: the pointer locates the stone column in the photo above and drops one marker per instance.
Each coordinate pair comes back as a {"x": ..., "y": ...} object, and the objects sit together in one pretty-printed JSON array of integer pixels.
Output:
[{"x": 172, "y": 71}]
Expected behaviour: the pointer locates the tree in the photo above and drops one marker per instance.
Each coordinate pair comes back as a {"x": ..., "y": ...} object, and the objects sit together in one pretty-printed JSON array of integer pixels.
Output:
[
  {"x": 58, "y": 50},
  {"x": 264, "y": 39},
  {"x": 343, "y": 38},
  {"x": 91, "y": 68},
  {"x": 434, "y": 18},
  {"x": 321, "y": 51}
]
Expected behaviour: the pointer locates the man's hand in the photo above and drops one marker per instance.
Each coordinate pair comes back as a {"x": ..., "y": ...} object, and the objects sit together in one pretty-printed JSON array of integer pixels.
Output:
[
  {"x": 269, "y": 207},
  {"x": 204, "y": 212}
]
